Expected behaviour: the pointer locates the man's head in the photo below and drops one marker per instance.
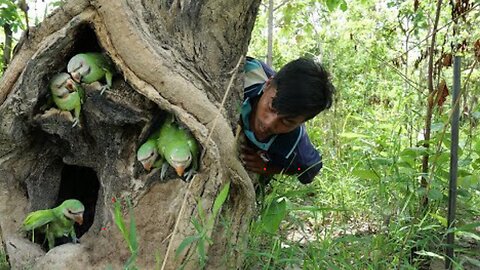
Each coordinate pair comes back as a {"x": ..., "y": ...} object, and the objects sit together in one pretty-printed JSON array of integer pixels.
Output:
[
  {"x": 298, "y": 92},
  {"x": 303, "y": 88}
]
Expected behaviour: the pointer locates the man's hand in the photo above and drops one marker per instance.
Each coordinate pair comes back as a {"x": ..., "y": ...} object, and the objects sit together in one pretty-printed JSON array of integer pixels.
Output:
[{"x": 252, "y": 160}]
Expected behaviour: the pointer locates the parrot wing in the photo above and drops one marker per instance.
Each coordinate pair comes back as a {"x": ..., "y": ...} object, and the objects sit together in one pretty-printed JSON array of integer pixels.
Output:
[
  {"x": 81, "y": 92},
  {"x": 192, "y": 143},
  {"x": 70, "y": 102},
  {"x": 37, "y": 219},
  {"x": 100, "y": 60},
  {"x": 166, "y": 134}
]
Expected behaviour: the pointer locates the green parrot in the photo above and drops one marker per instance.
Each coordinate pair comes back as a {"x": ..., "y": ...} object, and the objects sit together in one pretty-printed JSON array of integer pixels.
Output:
[
  {"x": 147, "y": 154},
  {"x": 56, "y": 222},
  {"x": 173, "y": 144},
  {"x": 67, "y": 94},
  {"x": 91, "y": 67}
]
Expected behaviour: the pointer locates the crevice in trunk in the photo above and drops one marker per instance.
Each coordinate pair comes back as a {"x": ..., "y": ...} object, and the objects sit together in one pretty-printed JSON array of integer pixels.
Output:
[{"x": 80, "y": 183}]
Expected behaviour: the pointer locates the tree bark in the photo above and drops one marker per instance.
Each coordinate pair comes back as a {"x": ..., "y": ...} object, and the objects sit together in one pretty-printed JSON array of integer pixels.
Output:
[
  {"x": 174, "y": 56},
  {"x": 7, "y": 49}
]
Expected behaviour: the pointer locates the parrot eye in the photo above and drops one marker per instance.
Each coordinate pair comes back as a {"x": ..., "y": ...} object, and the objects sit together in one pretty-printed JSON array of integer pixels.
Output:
[{"x": 70, "y": 212}]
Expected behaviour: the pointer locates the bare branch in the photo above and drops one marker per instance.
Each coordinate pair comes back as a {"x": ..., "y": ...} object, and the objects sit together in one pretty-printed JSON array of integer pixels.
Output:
[{"x": 281, "y": 4}]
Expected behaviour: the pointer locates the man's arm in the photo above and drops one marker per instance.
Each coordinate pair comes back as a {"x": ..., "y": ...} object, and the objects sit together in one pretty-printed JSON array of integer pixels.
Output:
[
  {"x": 306, "y": 162},
  {"x": 253, "y": 162}
]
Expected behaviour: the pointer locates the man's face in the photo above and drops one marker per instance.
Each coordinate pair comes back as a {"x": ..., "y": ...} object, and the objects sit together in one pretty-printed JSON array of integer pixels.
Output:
[{"x": 265, "y": 121}]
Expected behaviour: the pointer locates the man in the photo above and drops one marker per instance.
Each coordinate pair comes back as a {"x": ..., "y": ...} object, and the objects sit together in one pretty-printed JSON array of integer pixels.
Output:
[{"x": 273, "y": 114}]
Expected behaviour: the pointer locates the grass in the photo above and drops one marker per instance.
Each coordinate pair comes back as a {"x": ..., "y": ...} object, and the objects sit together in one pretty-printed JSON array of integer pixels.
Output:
[
  {"x": 363, "y": 212},
  {"x": 3, "y": 261},
  {"x": 130, "y": 234}
]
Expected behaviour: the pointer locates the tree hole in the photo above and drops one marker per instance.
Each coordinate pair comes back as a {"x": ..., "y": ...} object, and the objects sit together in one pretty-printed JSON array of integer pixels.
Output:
[
  {"x": 85, "y": 41},
  {"x": 80, "y": 183}
]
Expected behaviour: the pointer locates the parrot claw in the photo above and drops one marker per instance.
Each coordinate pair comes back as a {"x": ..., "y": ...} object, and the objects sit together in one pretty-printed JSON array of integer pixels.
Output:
[
  {"x": 75, "y": 240},
  {"x": 104, "y": 88},
  {"x": 189, "y": 175},
  {"x": 75, "y": 122},
  {"x": 164, "y": 170}
]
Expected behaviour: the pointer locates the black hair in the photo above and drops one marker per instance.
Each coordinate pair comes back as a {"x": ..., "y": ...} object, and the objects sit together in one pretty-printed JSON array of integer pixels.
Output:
[{"x": 303, "y": 88}]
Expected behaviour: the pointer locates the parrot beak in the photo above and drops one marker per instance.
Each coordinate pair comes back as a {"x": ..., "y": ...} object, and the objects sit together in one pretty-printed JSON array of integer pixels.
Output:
[
  {"x": 79, "y": 219},
  {"x": 180, "y": 170},
  {"x": 148, "y": 166},
  {"x": 69, "y": 85},
  {"x": 76, "y": 76}
]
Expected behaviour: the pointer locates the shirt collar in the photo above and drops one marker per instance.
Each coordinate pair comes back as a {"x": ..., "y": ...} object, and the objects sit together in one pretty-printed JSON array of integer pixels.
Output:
[{"x": 245, "y": 113}]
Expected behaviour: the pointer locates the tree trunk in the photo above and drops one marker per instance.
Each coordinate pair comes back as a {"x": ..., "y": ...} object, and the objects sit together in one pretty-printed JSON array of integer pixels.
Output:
[
  {"x": 174, "y": 56},
  {"x": 7, "y": 49},
  {"x": 431, "y": 92},
  {"x": 270, "y": 34}
]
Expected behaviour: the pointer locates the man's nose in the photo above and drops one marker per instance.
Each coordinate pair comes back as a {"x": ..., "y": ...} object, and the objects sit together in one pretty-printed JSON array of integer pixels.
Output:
[{"x": 270, "y": 121}]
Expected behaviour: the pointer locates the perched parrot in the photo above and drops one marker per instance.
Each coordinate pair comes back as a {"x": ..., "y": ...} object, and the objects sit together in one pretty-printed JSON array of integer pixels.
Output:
[
  {"x": 147, "y": 154},
  {"x": 56, "y": 222},
  {"x": 91, "y": 67},
  {"x": 173, "y": 144},
  {"x": 67, "y": 94}
]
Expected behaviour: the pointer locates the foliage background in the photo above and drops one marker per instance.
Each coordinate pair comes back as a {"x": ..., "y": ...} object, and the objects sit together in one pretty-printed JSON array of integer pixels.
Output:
[{"x": 364, "y": 211}]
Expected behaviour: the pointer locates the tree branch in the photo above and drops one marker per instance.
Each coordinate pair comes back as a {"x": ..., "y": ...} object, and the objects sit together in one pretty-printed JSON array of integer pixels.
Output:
[
  {"x": 281, "y": 4},
  {"x": 428, "y": 119},
  {"x": 7, "y": 49}
]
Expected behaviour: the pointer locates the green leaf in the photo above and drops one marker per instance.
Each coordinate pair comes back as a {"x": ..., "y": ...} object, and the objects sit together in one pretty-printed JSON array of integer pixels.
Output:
[
  {"x": 442, "y": 159},
  {"x": 313, "y": 209},
  {"x": 382, "y": 161},
  {"x": 473, "y": 261},
  {"x": 332, "y": 4},
  {"x": 220, "y": 200},
  {"x": 197, "y": 226},
  {"x": 201, "y": 251},
  {"x": 476, "y": 164},
  {"x": 432, "y": 227},
  {"x": 437, "y": 127},
  {"x": 476, "y": 115},
  {"x": 421, "y": 191},
  {"x": 470, "y": 235},
  {"x": 186, "y": 242},
  {"x": 343, "y": 6},
  {"x": 463, "y": 192},
  {"x": 476, "y": 145},
  {"x": 440, "y": 219},
  {"x": 133, "y": 243},
  {"x": 414, "y": 151},
  {"x": 201, "y": 212},
  {"x": 435, "y": 194},
  {"x": 273, "y": 215},
  {"x": 468, "y": 181},
  {"x": 117, "y": 216},
  {"x": 471, "y": 227},
  {"x": 365, "y": 174},
  {"x": 429, "y": 254},
  {"x": 130, "y": 264},
  {"x": 351, "y": 135}
]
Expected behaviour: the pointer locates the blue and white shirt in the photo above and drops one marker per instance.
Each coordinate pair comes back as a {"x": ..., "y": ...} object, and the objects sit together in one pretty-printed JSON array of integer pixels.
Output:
[{"x": 291, "y": 151}]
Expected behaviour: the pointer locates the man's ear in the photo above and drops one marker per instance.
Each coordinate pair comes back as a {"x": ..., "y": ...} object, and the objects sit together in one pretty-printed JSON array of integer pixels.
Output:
[
  {"x": 269, "y": 80},
  {"x": 269, "y": 83}
]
